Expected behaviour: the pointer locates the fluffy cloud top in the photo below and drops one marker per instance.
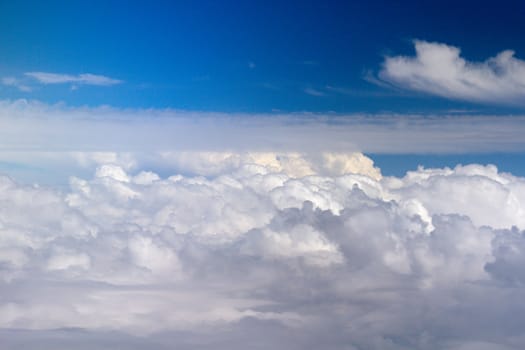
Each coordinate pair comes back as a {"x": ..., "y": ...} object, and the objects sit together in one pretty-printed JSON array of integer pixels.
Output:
[
  {"x": 438, "y": 69},
  {"x": 288, "y": 251}
]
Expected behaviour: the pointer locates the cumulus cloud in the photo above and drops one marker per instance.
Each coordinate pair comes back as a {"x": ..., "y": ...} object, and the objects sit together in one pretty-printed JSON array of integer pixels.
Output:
[
  {"x": 219, "y": 230},
  {"x": 253, "y": 251},
  {"x": 85, "y": 78},
  {"x": 439, "y": 69}
]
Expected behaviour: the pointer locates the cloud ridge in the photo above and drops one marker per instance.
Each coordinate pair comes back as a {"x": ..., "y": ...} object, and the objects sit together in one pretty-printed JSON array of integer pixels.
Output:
[{"x": 321, "y": 258}]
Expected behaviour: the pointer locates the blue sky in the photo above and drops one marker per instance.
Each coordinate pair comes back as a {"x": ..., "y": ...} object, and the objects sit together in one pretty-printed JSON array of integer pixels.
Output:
[{"x": 255, "y": 56}]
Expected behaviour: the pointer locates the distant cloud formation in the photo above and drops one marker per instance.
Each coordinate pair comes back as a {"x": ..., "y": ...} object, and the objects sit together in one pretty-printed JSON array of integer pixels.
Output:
[
  {"x": 438, "y": 69},
  {"x": 85, "y": 79},
  {"x": 14, "y": 82},
  {"x": 267, "y": 229},
  {"x": 279, "y": 250},
  {"x": 31, "y": 125},
  {"x": 27, "y": 82}
]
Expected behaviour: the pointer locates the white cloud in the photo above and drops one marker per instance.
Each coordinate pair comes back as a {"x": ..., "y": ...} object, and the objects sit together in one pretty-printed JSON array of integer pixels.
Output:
[
  {"x": 85, "y": 79},
  {"x": 63, "y": 261},
  {"x": 301, "y": 241},
  {"x": 314, "y": 92},
  {"x": 11, "y": 81},
  {"x": 32, "y": 127},
  {"x": 258, "y": 252},
  {"x": 216, "y": 231},
  {"x": 293, "y": 164},
  {"x": 438, "y": 69}
]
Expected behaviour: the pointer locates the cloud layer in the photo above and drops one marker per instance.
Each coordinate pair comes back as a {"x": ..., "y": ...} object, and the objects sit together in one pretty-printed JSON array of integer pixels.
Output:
[
  {"x": 262, "y": 250},
  {"x": 33, "y": 126},
  {"x": 438, "y": 69},
  {"x": 205, "y": 230}
]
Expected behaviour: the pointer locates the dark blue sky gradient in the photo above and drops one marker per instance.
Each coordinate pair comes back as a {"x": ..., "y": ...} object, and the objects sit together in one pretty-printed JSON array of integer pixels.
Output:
[{"x": 197, "y": 55}]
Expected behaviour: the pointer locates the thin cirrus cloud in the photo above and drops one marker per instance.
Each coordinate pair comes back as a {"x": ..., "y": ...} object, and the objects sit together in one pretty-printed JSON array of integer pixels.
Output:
[
  {"x": 14, "y": 82},
  {"x": 314, "y": 92},
  {"x": 439, "y": 69},
  {"x": 85, "y": 79},
  {"x": 27, "y": 82},
  {"x": 17, "y": 83}
]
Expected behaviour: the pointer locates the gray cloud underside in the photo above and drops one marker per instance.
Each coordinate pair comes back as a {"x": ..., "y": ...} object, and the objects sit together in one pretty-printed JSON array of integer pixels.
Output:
[
  {"x": 33, "y": 126},
  {"x": 438, "y": 69},
  {"x": 259, "y": 255}
]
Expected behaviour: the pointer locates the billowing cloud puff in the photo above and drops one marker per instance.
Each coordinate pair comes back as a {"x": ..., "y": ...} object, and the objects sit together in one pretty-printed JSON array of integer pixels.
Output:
[
  {"x": 438, "y": 69},
  {"x": 294, "y": 164},
  {"x": 264, "y": 250}
]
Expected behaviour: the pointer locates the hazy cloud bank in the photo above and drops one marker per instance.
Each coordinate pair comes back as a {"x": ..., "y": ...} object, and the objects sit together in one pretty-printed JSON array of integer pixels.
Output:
[
  {"x": 268, "y": 249},
  {"x": 37, "y": 127}
]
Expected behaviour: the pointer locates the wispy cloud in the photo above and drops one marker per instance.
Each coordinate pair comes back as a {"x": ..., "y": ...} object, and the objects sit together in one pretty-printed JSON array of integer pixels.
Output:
[
  {"x": 438, "y": 69},
  {"x": 17, "y": 83},
  {"x": 29, "y": 80},
  {"x": 370, "y": 77},
  {"x": 314, "y": 92},
  {"x": 360, "y": 92},
  {"x": 84, "y": 79}
]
